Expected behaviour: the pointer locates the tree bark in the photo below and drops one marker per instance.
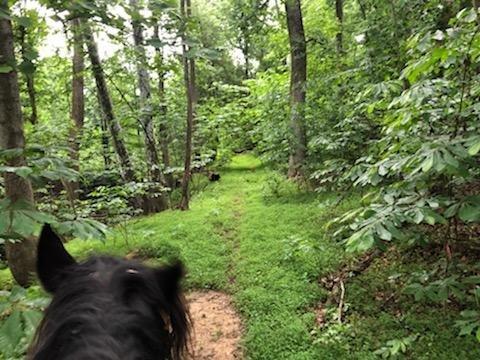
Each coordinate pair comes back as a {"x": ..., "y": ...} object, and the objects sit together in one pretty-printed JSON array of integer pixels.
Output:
[
  {"x": 363, "y": 10},
  {"x": 448, "y": 11},
  {"x": 339, "y": 36},
  {"x": 77, "y": 113},
  {"x": 159, "y": 202},
  {"x": 29, "y": 77},
  {"x": 298, "y": 78},
  {"x": 162, "y": 126},
  {"x": 107, "y": 161},
  {"x": 21, "y": 256},
  {"x": 246, "y": 55},
  {"x": 106, "y": 105},
  {"x": 189, "y": 77}
]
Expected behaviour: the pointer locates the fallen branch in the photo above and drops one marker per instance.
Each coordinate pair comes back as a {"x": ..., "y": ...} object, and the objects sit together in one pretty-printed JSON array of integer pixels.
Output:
[{"x": 341, "y": 303}]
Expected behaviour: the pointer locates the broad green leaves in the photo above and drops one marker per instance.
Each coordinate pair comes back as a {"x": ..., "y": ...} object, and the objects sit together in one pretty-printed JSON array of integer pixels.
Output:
[
  {"x": 20, "y": 314},
  {"x": 473, "y": 144},
  {"x": 394, "y": 348},
  {"x": 427, "y": 155}
]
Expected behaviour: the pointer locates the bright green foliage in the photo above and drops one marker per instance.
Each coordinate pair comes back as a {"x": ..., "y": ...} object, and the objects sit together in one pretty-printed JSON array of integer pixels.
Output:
[
  {"x": 396, "y": 347},
  {"x": 21, "y": 219},
  {"x": 425, "y": 160},
  {"x": 20, "y": 314},
  {"x": 269, "y": 252},
  {"x": 393, "y": 154}
]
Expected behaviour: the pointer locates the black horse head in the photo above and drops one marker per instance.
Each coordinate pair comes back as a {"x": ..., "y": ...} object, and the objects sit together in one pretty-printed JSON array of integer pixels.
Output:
[{"x": 107, "y": 308}]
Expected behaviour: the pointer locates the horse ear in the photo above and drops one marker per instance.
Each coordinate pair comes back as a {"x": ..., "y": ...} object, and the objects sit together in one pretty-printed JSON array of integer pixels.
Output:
[
  {"x": 52, "y": 259},
  {"x": 169, "y": 278}
]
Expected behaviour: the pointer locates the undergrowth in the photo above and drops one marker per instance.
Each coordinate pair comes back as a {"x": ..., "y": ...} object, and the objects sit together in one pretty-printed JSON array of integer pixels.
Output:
[{"x": 268, "y": 248}]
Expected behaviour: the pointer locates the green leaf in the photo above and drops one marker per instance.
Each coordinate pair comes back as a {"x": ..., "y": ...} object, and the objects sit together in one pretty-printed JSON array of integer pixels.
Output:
[
  {"x": 5, "y": 14},
  {"x": 467, "y": 329},
  {"x": 11, "y": 333},
  {"x": 22, "y": 171},
  {"x": 469, "y": 213},
  {"x": 432, "y": 218},
  {"x": 157, "y": 43},
  {"x": 451, "y": 211},
  {"x": 389, "y": 199},
  {"x": 17, "y": 294},
  {"x": 5, "y": 69},
  {"x": 31, "y": 319},
  {"x": 450, "y": 160},
  {"x": 383, "y": 233},
  {"x": 24, "y": 21},
  {"x": 27, "y": 67},
  {"x": 474, "y": 148},
  {"x": 470, "y": 314},
  {"x": 360, "y": 241},
  {"x": 471, "y": 16},
  {"x": 418, "y": 218},
  {"x": 427, "y": 164}
]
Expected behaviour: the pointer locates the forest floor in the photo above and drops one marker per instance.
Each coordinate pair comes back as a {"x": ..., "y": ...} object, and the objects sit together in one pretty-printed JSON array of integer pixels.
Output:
[{"x": 260, "y": 272}]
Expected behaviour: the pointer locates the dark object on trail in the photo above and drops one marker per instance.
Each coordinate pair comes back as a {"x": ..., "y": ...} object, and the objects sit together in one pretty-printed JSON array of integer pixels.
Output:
[
  {"x": 178, "y": 183},
  {"x": 213, "y": 176},
  {"x": 108, "y": 308}
]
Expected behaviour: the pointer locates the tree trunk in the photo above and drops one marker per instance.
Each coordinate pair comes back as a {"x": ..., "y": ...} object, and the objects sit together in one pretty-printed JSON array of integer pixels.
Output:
[
  {"x": 246, "y": 55},
  {"x": 21, "y": 255},
  {"x": 29, "y": 77},
  {"x": 107, "y": 161},
  {"x": 159, "y": 202},
  {"x": 448, "y": 11},
  {"x": 298, "y": 78},
  {"x": 189, "y": 76},
  {"x": 363, "y": 10},
  {"x": 77, "y": 113},
  {"x": 339, "y": 13},
  {"x": 106, "y": 105},
  {"x": 162, "y": 127}
]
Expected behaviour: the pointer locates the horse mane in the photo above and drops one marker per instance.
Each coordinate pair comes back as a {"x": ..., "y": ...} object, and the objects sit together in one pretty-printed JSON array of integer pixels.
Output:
[{"x": 111, "y": 309}]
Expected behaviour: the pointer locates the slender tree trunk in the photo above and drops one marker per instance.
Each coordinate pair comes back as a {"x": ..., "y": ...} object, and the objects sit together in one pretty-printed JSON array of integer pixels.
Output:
[
  {"x": 107, "y": 161},
  {"x": 363, "y": 10},
  {"x": 189, "y": 75},
  {"x": 339, "y": 36},
  {"x": 146, "y": 118},
  {"x": 29, "y": 77},
  {"x": 298, "y": 78},
  {"x": 21, "y": 255},
  {"x": 77, "y": 112},
  {"x": 448, "y": 11},
  {"x": 106, "y": 105},
  {"x": 246, "y": 55},
  {"x": 162, "y": 127}
]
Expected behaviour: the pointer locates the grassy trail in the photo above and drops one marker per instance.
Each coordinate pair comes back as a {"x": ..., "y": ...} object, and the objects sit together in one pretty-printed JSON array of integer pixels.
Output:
[
  {"x": 261, "y": 240},
  {"x": 261, "y": 243}
]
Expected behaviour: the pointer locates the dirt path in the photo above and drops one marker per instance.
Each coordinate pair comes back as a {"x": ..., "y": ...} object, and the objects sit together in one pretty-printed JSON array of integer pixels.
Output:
[{"x": 217, "y": 329}]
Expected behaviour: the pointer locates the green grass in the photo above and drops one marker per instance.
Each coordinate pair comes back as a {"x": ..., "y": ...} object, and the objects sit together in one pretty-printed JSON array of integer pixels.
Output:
[
  {"x": 262, "y": 239},
  {"x": 6, "y": 280}
]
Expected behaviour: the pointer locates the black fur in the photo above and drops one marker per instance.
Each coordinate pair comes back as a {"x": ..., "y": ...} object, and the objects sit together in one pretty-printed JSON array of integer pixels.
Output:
[
  {"x": 108, "y": 308},
  {"x": 213, "y": 176}
]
